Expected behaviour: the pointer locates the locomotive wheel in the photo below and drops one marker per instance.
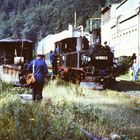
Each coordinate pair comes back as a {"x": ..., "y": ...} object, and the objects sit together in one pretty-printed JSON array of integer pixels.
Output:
[
  {"x": 72, "y": 75},
  {"x": 64, "y": 75},
  {"x": 67, "y": 76},
  {"x": 77, "y": 76}
]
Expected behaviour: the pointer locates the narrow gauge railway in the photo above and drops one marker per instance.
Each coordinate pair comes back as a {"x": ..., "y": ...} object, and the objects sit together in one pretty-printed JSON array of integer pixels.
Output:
[{"x": 77, "y": 60}]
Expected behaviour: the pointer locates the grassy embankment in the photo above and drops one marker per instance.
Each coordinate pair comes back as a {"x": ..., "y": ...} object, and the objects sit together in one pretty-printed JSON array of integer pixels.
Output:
[{"x": 65, "y": 109}]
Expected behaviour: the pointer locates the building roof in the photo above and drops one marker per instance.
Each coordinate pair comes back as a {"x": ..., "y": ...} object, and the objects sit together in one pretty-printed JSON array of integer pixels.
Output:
[
  {"x": 48, "y": 43},
  {"x": 15, "y": 40},
  {"x": 105, "y": 9},
  {"x": 122, "y": 2}
]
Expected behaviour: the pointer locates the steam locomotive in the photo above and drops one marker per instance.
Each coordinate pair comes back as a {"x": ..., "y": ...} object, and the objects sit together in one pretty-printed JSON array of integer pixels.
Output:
[{"x": 76, "y": 60}]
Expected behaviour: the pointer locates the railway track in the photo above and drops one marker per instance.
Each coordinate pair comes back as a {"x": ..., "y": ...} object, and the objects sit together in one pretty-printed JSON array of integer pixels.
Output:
[{"x": 131, "y": 88}]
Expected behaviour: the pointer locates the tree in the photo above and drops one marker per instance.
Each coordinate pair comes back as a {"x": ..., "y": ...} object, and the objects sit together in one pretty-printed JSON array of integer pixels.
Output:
[{"x": 34, "y": 19}]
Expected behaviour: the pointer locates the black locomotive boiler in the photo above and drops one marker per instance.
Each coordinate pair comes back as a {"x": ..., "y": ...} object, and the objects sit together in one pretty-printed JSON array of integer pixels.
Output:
[{"x": 79, "y": 61}]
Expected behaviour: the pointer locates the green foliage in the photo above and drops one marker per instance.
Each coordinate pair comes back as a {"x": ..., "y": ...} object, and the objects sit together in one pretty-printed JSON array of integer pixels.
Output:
[
  {"x": 114, "y": 1},
  {"x": 65, "y": 111},
  {"x": 124, "y": 63},
  {"x": 34, "y": 19}
]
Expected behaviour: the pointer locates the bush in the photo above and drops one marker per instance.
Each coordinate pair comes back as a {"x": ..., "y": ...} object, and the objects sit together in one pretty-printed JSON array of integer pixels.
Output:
[
  {"x": 64, "y": 112},
  {"x": 122, "y": 65}
]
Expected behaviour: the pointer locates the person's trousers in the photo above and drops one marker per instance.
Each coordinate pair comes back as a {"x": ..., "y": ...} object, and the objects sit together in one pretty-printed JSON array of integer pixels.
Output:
[
  {"x": 136, "y": 74},
  {"x": 37, "y": 88}
]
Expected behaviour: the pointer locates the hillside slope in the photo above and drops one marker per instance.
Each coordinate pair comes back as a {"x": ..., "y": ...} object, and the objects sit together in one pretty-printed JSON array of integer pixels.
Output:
[{"x": 34, "y": 19}]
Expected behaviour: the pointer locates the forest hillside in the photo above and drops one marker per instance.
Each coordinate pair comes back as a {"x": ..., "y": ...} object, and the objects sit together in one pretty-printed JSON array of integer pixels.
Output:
[{"x": 34, "y": 19}]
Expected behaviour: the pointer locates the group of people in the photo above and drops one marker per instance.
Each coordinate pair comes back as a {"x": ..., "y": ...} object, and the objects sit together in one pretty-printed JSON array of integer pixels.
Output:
[{"x": 39, "y": 68}]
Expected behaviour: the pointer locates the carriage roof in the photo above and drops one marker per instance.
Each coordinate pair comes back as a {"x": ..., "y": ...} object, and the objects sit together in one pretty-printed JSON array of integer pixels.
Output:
[{"x": 15, "y": 42}]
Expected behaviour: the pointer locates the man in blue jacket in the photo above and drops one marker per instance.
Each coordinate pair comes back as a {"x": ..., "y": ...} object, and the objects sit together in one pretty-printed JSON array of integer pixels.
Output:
[{"x": 39, "y": 68}]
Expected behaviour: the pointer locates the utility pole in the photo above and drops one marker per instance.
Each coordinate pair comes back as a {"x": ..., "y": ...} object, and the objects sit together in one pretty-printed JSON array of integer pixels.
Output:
[
  {"x": 75, "y": 19},
  {"x": 138, "y": 26}
]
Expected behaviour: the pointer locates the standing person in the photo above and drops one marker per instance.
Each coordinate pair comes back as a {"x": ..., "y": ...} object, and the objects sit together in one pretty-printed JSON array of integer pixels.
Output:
[
  {"x": 132, "y": 63},
  {"x": 40, "y": 70},
  {"x": 135, "y": 69},
  {"x": 51, "y": 56},
  {"x": 106, "y": 46},
  {"x": 57, "y": 50},
  {"x": 55, "y": 63},
  {"x": 53, "y": 60},
  {"x": 132, "y": 59}
]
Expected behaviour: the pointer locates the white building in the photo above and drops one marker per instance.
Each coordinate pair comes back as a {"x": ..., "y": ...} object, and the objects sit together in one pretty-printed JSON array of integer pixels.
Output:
[
  {"x": 120, "y": 26},
  {"x": 108, "y": 18},
  {"x": 48, "y": 43}
]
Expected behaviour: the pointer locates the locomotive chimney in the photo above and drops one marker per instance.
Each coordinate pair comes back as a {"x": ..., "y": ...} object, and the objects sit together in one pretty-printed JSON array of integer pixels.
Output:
[
  {"x": 78, "y": 49},
  {"x": 79, "y": 44}
]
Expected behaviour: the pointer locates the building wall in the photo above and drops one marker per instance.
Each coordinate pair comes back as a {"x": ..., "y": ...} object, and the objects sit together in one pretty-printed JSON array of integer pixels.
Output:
[
  {"x": 107, "y": 20},
  {"x": 122, "y": 28},
  {"x": 125, "y": 38}
]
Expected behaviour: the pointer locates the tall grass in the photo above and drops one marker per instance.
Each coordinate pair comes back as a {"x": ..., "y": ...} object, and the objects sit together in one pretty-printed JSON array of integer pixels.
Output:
[{"x": 65, "y": 109}]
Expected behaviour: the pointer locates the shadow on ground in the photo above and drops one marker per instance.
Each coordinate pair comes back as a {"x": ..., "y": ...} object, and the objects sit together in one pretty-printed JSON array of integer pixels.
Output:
[{"x": 126, "y": 86}]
